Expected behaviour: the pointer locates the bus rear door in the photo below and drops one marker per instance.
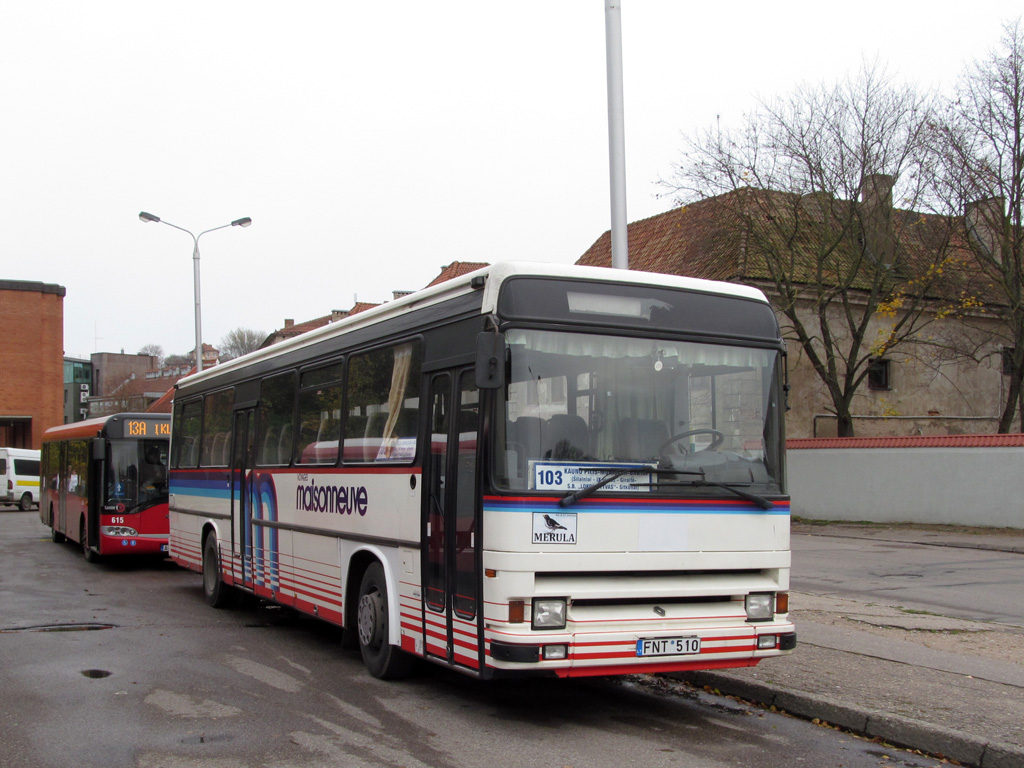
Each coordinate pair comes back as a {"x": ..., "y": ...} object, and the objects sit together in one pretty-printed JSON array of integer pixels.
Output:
[{"x": 242, "y": 463}]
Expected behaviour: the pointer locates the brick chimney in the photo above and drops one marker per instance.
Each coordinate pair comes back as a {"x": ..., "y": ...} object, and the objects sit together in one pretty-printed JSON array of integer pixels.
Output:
[
  {"x": 984, "y": 220},
  {"x": 876, "y": 217}
]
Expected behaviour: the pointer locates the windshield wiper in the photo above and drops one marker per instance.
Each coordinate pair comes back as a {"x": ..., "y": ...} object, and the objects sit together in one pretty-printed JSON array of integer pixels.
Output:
[
  {"x": 761, "y": 501},
  {"x": 571, "y": 498}
]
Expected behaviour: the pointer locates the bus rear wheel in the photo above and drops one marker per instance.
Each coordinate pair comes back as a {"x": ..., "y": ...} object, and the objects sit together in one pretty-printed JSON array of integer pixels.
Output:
[
  {"x": 383, "y": 660},
  {"x": 217, "y": 593},
  {"x": 56, "y": 536},
  {"x": 26, "y": 502}
]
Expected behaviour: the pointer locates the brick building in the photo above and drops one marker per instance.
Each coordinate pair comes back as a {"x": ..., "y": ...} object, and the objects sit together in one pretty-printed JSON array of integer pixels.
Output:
[{"x": 31, "y": 361}]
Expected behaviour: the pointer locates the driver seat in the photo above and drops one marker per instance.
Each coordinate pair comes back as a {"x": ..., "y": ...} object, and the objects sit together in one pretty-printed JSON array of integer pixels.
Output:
[{"x": 641, "y": 438}]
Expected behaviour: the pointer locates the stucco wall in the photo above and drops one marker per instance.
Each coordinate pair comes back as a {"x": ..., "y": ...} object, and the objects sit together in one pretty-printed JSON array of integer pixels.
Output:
[
  {"x": 965, "y": 485},
  {"x": 928, "y": 393}
]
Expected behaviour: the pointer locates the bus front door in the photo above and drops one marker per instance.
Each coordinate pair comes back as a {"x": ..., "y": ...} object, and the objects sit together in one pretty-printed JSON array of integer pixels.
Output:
[
  {"x": 450, "y": 542},
  {"x": 62, "y": 489},
  {"x": 242, "y": 460}
]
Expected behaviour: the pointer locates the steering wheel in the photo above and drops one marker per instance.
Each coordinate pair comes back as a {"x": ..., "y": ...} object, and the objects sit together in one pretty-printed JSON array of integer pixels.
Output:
[{"x": 716, "y": 439}]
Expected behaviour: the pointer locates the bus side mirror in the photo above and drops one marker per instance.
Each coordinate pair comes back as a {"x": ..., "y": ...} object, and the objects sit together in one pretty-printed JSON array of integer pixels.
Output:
[
  {"x": 490, "y": 360},
  {"x": 99, "y": 449}
]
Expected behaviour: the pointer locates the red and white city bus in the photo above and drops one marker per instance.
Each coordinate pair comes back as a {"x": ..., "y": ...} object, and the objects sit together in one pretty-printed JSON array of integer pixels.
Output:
[
  {"x": 104, "y": 484},
  {"x": 532, "y": 469}
]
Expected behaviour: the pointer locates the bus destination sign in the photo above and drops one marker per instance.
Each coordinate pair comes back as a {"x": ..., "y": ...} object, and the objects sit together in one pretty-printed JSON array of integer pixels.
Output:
[{"x": 146, "y": 428}]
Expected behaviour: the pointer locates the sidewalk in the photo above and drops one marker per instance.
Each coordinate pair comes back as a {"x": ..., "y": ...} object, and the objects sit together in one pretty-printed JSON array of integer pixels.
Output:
[{"x": 943, "y": 686}]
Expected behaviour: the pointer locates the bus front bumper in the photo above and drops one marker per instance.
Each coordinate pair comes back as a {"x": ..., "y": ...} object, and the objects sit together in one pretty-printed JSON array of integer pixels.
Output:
[{"x": 577, "y": 655}]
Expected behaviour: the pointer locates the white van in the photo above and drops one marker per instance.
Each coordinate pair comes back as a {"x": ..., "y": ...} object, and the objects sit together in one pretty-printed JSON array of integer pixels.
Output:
[{"x": 19, "y": 477}]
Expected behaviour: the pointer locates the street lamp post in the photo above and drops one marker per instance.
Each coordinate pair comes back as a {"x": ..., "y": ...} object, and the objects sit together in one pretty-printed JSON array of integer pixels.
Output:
[{"x": 243, "y": 222}]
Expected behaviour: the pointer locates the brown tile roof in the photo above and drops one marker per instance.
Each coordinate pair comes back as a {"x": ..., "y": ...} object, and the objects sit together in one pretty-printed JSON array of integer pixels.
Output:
[
  {"x": 142, "y": 386},
  {"x": 164, "y": 403},
  {"x": 361, "y": 306},
  {"x": 715, "y": 239},
  {"x": 295, "y": 329},
  {"x": 693, "y": 241},
  {"x": 456, "y": 269},
  {"x": 308, "y": 325}
]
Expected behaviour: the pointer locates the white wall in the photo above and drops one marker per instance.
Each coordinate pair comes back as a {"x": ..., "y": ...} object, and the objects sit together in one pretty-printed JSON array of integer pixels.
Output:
[{"x": 963, "y": 486}]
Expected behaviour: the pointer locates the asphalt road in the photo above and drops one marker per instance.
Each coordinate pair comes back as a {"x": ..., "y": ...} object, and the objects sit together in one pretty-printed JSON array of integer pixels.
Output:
[
  {"x": 123, "y": 664},
  {"x": 968, "y": 584}
]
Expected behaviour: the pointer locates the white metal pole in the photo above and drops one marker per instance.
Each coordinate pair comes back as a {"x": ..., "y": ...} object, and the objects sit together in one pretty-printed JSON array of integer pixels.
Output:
[
  {"x": 199, "y": 321},
  {"x": 616, "y": 133}
]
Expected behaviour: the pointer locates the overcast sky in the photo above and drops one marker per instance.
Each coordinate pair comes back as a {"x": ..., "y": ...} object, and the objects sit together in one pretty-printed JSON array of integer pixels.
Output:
[{"x": 374, "y": 142}]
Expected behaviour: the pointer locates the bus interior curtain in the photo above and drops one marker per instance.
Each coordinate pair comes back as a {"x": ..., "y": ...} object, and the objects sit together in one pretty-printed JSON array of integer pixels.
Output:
[{"x": 399, "y": 383}]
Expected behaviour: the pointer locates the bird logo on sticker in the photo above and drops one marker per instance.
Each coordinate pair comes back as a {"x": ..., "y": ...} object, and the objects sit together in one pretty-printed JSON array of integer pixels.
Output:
[{"x": 553, "y": 525}]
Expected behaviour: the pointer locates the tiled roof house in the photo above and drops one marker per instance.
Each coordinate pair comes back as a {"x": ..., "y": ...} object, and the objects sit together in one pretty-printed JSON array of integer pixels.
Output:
[
  {"x": 726, "y": 238},
  {"x": 456, "y": 269},
  {"x": 291, "y": 328},
  {"x": 712, "y": 239}
]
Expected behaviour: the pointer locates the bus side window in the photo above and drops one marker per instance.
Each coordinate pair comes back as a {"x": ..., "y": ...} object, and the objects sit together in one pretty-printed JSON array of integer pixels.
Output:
[
  {"x": 188, "y": 422},
  {"x": 216, "y": 428},
  {"x": 277, "y": 411},
  {"x": 383, "y": 404}
]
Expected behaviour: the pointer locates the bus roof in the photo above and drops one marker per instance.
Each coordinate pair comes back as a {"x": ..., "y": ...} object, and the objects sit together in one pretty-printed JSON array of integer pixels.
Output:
[
  {"x": 95, "y": 426},
  {"x": 490, "y": 278}
]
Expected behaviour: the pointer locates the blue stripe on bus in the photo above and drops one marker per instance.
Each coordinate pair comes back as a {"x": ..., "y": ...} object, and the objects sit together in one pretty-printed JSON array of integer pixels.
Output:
[
  {"x": 208, "y": 493},
  {"x": 639, "y": 507}
]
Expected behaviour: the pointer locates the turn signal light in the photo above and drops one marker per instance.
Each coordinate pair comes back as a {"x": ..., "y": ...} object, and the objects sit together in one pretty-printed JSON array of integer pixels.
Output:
[{"x": 516, "y": 611}]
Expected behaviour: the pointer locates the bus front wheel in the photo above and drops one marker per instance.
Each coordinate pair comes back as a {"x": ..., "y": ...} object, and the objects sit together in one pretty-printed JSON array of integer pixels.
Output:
[
  {"x": 83, "y": 537},
  {"x": 383, "y": 660},
  {"x": 217, "y": 593}
]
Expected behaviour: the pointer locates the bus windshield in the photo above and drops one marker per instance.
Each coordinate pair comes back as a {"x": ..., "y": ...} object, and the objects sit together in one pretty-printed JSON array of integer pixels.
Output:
[
  {"x": 709, "y": 413},
  {"x": 136, "y": 472}
]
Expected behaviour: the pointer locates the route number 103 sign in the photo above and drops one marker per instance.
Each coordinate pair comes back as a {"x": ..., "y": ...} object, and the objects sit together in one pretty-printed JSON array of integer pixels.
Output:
[{"x": 566, "y": 477}]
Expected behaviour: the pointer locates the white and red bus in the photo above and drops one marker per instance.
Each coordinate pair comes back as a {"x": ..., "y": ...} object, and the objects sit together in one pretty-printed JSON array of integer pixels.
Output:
[
  {"x": 532, "y": 469},
  {"x": 104, "y": 484}
]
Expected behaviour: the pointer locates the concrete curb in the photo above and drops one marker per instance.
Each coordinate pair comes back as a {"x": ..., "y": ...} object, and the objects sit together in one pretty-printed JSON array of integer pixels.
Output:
[{"x": 900, "y": 731}]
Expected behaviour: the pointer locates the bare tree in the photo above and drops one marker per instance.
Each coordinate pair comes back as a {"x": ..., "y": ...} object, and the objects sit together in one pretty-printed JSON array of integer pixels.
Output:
[
  {"x": 810, "y": 180},
  {"x": 155, "y": 350},
  {"x": 979, "y": 183},
  {"x": 239, "y": 342}
]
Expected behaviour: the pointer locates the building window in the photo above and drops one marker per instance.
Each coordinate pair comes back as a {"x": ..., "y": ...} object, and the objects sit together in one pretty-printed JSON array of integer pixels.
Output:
[
  {"x": 1007, "y": 356},
  {"x": 878, "y": 374}
]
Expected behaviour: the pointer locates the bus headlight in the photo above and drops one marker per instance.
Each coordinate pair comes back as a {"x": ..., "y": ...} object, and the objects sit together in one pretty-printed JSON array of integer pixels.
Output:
[
  {"x": 549, "y": 613},
  {"x": 759, "y": 607},
  {"x": 118, "y": 530}
]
